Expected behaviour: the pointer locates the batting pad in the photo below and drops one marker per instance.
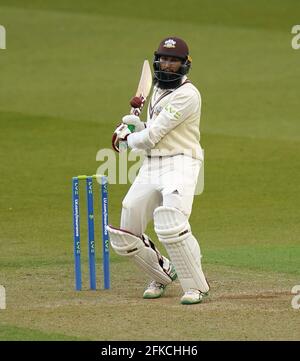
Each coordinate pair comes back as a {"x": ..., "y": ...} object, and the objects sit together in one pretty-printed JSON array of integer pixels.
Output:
[
  {"x": 142, "y": 251},
  {"x": 173, "y": 230}
]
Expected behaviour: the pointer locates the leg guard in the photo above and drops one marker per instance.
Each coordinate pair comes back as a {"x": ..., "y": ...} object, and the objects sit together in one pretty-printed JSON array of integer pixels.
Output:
[
  {"x": 144, "y": 253},
  {"x": 173, "y": 230}
]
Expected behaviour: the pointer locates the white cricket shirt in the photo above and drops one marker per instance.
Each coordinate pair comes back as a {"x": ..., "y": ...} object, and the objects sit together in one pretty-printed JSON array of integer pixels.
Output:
[{"x": 173, "y": 122}]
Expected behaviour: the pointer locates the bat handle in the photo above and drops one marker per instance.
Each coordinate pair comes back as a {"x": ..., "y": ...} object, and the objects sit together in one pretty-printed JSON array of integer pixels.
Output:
[{"x": 136, "y": 111}]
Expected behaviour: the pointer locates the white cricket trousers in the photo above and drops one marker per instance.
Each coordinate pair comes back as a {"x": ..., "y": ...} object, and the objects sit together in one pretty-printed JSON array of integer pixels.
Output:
[{"x": 162, "y": 181}]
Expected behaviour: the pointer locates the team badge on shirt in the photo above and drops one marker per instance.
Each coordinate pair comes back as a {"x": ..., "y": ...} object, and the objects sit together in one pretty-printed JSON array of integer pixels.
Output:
[{"x": 158, "y": 109}]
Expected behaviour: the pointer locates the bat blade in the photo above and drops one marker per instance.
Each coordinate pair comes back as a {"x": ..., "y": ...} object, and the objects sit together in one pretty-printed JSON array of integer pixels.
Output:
[
  {"x": 145, "y": 82},
  {"x": 144, "y": 87}
]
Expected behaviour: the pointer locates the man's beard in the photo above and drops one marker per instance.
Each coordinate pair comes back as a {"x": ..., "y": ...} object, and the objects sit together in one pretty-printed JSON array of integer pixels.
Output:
[{"x": 167, "y": 80}]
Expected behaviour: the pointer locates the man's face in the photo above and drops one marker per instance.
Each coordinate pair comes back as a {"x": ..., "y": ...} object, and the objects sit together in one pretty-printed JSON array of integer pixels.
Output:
[{"x": 169, "y": 63}]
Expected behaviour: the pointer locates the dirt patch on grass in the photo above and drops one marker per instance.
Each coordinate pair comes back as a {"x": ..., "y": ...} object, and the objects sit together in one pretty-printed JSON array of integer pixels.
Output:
[{"x": 243, "y": 305}]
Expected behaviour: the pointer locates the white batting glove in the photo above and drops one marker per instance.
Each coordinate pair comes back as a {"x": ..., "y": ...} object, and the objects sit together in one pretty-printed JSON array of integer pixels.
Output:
[
  {"x": 134, "y": 123},
  {"x": 119, "y": 138}
]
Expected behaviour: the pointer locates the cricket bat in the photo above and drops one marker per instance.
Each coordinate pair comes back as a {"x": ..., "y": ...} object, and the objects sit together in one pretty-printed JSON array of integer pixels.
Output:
[
  {"x": 137, "y": 103},
  {"x": 142, "y": 92}
]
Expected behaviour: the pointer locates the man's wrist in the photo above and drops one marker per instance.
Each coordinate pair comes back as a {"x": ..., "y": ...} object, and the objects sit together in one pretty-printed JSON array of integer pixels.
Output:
[
  {"x": 129, "y": 140},
  {"x": 140, "y": 140}
]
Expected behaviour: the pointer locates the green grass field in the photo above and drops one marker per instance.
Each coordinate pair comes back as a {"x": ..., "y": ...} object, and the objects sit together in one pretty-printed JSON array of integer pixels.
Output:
[{"x": 66, "y": 77}]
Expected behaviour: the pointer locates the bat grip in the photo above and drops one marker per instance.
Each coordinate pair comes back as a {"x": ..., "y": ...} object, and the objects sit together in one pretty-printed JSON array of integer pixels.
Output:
[{"x": 136, "y": 111}]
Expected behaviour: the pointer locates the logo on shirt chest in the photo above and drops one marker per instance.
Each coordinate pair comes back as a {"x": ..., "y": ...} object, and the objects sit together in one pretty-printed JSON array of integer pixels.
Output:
[{"x": 157, "y": 110}]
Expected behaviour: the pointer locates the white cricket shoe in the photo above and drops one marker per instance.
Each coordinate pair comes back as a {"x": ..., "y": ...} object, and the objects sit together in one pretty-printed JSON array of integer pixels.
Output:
[
  {"x": 154, "y": 290},
  {"x": 192, "y": 296}
]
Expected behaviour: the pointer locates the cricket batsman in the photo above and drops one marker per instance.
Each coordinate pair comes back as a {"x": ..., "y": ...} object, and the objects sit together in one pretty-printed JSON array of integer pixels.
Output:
[{"x": 164, "y": 188}]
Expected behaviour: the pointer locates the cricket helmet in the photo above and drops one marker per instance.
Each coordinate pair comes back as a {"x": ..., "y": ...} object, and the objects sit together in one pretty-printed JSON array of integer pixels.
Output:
[{"x": 173, "y": 47}]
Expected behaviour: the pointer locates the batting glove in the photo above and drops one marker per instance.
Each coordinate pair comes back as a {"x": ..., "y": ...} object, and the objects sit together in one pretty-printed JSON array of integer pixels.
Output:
[
  {"x": 119, "y": 138},
  {"x": 134, "y": 123}
]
